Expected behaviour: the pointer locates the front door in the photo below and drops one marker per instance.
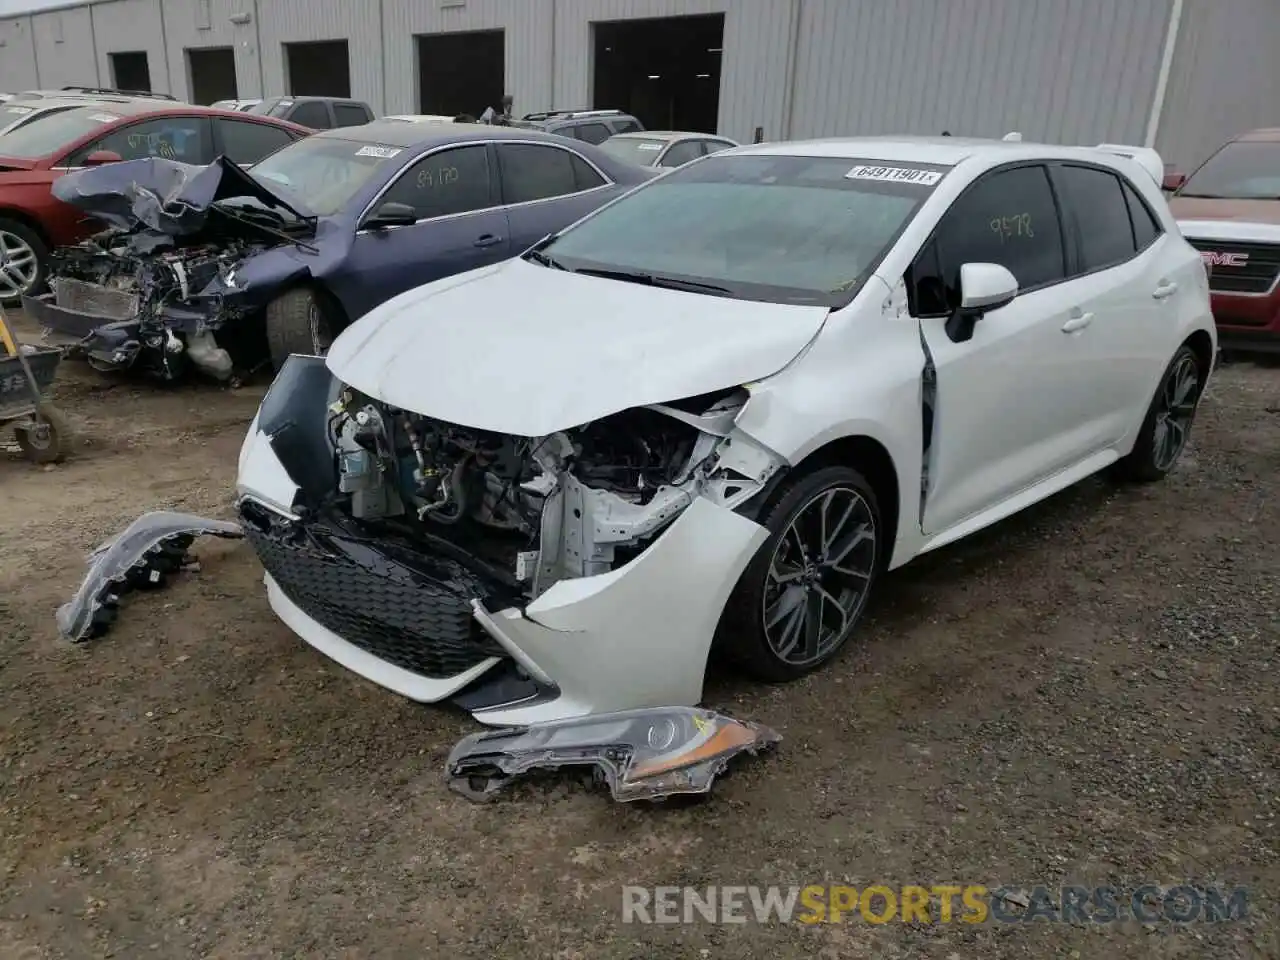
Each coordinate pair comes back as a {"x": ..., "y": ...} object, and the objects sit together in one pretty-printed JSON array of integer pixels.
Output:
[
  {"x": 1003, "y": 412},
  {"x": 460, "y": 227}
]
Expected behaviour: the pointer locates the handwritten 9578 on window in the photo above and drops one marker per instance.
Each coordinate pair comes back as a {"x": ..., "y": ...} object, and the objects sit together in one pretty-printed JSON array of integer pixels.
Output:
[{"x": 1013, "y": 227}]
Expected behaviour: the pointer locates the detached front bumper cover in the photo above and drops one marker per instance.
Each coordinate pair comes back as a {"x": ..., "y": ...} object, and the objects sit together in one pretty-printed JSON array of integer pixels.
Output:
[
  {"x": 140, "y": 558},
  {"x": 646, "y": 754}
]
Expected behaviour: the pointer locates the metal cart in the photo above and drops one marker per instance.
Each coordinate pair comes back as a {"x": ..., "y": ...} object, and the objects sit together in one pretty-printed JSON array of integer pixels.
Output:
[{"x": 26, "y": 373}]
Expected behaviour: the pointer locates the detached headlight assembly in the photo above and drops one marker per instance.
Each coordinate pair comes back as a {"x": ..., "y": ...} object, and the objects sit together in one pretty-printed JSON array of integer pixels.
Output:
[{"x": 645, "y": 754}]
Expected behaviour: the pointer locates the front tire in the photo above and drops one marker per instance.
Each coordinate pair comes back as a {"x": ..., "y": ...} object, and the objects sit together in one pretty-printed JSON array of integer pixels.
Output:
[
  {"x": 803, "y": 594},
  {"x": 1166, "y": 429},
  {"x": 24, "y": 262},
  {"x": 298, "y": 322}
]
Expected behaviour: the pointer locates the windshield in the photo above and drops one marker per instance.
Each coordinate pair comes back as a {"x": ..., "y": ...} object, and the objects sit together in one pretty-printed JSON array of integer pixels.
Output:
[
  {"x": 1243, "y": 170},
  {"x": 55, "y": 130},
  {"x": 11, "y": 113},
  {"x": 783, "y": 229},
  {"x": 639, "y": 150},
  {"x": 322, "y": 173}
]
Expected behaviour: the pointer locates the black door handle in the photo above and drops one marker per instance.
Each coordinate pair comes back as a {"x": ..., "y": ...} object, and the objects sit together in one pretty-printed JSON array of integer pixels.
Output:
[{"x": 488, "y": 240}]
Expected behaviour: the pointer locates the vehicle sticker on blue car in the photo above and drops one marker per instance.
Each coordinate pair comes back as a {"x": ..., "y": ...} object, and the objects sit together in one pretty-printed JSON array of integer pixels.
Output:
[
  {"x": 925, "y": 178},
  {"x": 386, "y": 153}
]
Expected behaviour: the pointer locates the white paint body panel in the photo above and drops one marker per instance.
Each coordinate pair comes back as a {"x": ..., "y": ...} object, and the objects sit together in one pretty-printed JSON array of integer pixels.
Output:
[
  {"x": 554, "y": 349},
  {"x": 1035, "y": 401}
]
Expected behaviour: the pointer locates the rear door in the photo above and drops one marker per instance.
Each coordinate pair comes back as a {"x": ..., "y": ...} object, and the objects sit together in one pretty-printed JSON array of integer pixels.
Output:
[
  {"x": 1115, "y": 286},
  {"x": 460, "y": 226},
  {"x": 545, "y": 188}
]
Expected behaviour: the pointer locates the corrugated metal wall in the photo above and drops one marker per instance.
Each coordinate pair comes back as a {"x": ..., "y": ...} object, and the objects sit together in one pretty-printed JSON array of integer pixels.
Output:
[
  {"x": 1225, "y": 78},
  {"x": 527, "y": 49},
  {"x": 65, "y": 48},
  {"x": 290, "y": 21},
  {"x": 1070, "y": 71},
  {"x": 1078, "y": 71},
  {"x": 129, "y": 25},
  {"x": 17, "y": 54}
]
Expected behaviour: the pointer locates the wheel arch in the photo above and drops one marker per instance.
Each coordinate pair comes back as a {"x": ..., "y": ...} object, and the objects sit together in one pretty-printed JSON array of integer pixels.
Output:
[
  {"x": 28, "y": 221},
  {"x": 1202, "y": 345},
  {"x": 869, "y": 457}
]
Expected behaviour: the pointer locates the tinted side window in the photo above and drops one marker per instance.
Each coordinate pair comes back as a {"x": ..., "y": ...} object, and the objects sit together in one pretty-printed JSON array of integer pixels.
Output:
[
  {"x": 681, "y": 153},
  {"x": 535, "y": 172},
  {"x": 350, "y": 115},
  {"x": 715, "y": 146},
  {"x": 451, "y": 181},
  {"x": 625, "y": 126},
  {"x": 592, "y": 132},
  {"x": 313, "y": 114},
  {"x": 1104, "y": 233},
  {"x": 174, "y": 138},
  {"x": 584, "y": 175},
  {"x": 1146, "y": 228},
  {"x": 1008, "y": 218},
  {"x": 246, "y": 142}
]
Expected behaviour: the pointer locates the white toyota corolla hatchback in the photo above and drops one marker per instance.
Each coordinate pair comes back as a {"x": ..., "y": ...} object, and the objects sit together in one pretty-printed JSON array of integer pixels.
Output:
[{"x": 711, "y": 414}]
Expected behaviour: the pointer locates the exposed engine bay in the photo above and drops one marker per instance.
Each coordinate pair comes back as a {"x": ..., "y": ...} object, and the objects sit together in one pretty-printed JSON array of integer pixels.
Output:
[
  {"x": 109, "y": 278},
  {"x": 575, "y": 503},
  {"x": 156, "y": 290}
]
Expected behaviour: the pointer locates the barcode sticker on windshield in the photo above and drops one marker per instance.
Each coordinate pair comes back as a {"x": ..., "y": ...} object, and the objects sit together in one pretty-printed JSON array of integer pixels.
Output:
[
  {"x": 386, "y": 153},
  {"x": 649, "y": 146},
  {"x": 925, "y": 178},
  {"x": 103, "y": 117}
]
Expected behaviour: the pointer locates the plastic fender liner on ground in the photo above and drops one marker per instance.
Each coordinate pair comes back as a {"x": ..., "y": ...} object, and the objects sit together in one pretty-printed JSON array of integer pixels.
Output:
[{"x": 142, "y": 557}]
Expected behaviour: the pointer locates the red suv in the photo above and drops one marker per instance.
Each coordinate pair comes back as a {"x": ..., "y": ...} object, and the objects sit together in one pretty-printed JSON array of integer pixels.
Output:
[
  {"x": 1229, "y": 209},
  {"x": 35, "y": 154}
]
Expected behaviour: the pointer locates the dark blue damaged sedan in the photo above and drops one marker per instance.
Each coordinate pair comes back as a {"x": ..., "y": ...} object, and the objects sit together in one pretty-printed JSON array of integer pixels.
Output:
[{"x": 221, "y": 268}]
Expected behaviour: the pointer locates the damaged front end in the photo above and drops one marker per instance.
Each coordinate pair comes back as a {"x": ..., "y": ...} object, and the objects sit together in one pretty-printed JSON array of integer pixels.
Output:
[
  {"x": 445, "y": 551},
  {"x": 157, "y": 291}
]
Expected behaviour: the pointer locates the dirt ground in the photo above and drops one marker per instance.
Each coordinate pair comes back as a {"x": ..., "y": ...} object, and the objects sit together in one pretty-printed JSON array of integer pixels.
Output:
[{"x": 1089, "y": 693}]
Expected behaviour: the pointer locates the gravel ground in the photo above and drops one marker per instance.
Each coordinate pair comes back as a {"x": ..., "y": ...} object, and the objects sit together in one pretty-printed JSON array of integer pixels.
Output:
[{"x": 1087, "y": 693}]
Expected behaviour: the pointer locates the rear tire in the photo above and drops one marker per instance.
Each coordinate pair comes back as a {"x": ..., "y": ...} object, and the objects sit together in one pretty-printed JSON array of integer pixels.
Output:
[
  {"x": 298, "y": 321},
  {"x": 19, "y": 235},
  {"x": 802, "y": 595},
  {"x": 1166, "y": 429}
]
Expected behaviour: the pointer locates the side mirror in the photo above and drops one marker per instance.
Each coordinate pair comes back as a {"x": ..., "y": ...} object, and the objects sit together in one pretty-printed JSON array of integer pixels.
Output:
[
  {"x": 100, "y": 157},
  {"x": 983, "y": 287},
  {"x": 391, "y": 214},
  {"x": 1173, "y": 181}
]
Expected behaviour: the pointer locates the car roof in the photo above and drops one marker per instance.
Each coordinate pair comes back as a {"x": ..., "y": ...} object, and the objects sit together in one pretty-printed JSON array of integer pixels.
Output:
[
  {"x": 1262, "y": 134},
  {"x": 942, "y": 151},
  {"x": 668, "y": 135},
  {"x": 308, "y": 98},
  {"x": 397, "y": 133}
]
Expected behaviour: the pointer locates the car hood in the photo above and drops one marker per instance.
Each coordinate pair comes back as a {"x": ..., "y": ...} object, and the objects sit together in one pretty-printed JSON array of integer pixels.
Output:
[
  {"x": 527, "y": 350},
  {"x": 163, "y": 195},
  {"x": 1204, "y": 208}
]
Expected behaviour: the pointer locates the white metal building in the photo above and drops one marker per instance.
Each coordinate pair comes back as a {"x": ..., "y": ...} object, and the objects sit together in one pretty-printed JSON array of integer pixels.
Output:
[{"x": 1183, "y": 75}]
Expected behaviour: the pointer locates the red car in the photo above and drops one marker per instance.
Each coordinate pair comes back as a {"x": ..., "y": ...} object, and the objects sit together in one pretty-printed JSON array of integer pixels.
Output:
[
  {"x": 35, "y": 154},
  {"x": 1229, "y": 209}
]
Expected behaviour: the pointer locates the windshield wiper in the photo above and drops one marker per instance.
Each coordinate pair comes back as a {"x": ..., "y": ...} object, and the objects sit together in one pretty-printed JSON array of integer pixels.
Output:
[
  {"x": 537, "y": 256},
  {"x": 653, "y": 280}
]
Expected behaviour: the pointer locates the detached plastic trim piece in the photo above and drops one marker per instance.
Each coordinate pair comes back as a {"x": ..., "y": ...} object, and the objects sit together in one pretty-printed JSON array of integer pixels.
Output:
[{"x": 142, "y": 557}]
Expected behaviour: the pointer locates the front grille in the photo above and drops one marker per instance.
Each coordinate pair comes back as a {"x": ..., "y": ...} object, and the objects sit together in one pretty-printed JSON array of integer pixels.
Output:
[
  {"x": 1253, "y": 269},
  {"x": 377, "y": 604},
  {"x": 94, "y": 298}
]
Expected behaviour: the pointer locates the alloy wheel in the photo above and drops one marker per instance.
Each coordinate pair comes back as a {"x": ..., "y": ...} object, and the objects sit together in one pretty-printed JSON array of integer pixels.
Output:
[
  {"x": 1176, "y": 410},
  {"x": 819, "y": 576},
  {"x": 18, "y": 266}
]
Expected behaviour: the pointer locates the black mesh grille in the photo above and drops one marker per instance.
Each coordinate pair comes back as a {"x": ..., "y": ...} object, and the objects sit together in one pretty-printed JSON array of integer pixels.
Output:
[
  {"x": 380, "y": 606},
  {"x": 1253, "y": 270}
]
